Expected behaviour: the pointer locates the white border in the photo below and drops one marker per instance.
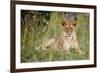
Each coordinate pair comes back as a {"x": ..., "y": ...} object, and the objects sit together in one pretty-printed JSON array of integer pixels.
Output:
[{"x": 57, "y": 63}]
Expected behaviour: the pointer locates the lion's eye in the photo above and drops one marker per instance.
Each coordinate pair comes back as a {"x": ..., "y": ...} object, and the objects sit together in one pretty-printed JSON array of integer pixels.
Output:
[
  {"x": 74, "y": 24},
  {"x": 63, "y": 23}
]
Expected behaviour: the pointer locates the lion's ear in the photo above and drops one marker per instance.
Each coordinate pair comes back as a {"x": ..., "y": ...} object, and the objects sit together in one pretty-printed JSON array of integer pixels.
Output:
[{"x": 75, "y": 18}]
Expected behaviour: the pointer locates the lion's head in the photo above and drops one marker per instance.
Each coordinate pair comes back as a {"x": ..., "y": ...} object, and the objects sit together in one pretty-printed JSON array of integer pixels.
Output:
[{"x": 69, "y": 26}]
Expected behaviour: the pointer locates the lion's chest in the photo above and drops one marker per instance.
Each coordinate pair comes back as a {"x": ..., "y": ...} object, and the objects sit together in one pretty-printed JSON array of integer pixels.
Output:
[{"x": 68, "y": 42}]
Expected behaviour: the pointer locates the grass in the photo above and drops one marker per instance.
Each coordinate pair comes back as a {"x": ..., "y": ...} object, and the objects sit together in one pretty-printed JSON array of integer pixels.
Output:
[
  {"x": 32, "y": 36},
  {"x": 44, "y": 56}
]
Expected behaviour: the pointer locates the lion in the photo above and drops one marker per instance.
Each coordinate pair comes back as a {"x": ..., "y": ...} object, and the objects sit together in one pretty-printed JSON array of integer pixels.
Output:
[
  {"x": 69, "y": 35},
  {"x": 67, "y": 38}
]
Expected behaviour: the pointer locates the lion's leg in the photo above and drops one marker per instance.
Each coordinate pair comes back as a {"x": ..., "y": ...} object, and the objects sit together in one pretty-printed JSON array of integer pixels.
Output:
[
  {"x": 76, "y": 47},
  {"x": 78, "y": 50},
  {"x": 66, "y": 47}
]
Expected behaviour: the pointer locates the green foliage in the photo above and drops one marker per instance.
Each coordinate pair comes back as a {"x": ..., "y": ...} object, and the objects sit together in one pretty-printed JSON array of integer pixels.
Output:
[{"x": 41, "y": 25}]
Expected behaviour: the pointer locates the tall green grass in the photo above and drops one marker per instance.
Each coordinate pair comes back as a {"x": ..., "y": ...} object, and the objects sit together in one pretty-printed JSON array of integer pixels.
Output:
[{"x": 32, "y": 36}]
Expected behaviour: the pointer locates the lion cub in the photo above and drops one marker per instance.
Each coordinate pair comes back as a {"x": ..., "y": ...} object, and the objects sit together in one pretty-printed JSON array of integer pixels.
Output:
[
  {"x": 69, "y": 36},
  {"x": 66, "y": 40}
]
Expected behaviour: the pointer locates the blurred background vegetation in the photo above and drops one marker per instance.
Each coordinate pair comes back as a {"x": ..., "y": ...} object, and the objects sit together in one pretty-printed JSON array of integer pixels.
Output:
[{"x": 39, "y": 25}]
